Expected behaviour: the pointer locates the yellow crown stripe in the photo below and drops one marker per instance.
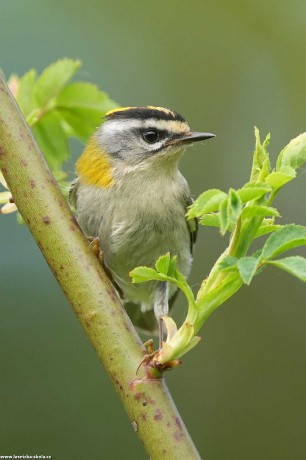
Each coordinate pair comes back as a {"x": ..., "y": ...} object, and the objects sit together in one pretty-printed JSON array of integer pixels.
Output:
[
  {"x": 161, "y": 109},
  {"x": 121, "y": 109},
  {"x": 93, "y": 166}
]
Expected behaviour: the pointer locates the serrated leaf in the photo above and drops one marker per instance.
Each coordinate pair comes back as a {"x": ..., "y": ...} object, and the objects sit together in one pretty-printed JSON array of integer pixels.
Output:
[
  {"x": 207, "y": 202},
  {"x": 52, "y": 140},
  {"x": 295, "y": 265},
  {"x": 294, "y": 154},
  {"x": 85, "y": 96},
  {"x": 82, "y": 105},
  {"x": 143, "y": 274},
  {"x": 162, "y": 264},
  {"x": 251, "y": 191},
  {"x": 234, "y": 205},
  {"x": 54, "y": 78},
  {"x": 228, "y": 263},
  {"x": 258, "y": 210},
  {"x": 224, "y": 216},
  {"x": 247, "y": 268},
  {"x": 261, "y": 161},
  {"x": 172, "y": 269},
  {"x": 24, "y": 94},
  {"x": 264, "y": 229},
  {"x": 229, "y": 211},
  {"x": 288, "y": 237},
  {"x": 279, "y": 178},
  {"x": 265, "y": 170},
  {"x": 210, "y": 220}
]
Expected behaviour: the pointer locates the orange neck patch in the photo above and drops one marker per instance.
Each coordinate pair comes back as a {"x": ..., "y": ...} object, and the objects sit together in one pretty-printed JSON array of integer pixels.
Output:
[{"x": 94, "y": 167}]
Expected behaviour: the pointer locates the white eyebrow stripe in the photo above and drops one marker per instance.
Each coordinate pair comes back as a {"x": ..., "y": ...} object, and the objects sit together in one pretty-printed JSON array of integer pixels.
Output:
[{"x": 127, "y": 125}]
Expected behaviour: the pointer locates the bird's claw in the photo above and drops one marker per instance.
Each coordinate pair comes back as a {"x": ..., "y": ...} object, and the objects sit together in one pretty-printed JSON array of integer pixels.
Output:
[
  {"x": 94, "y": 244},
  {"x": 150, "y": 359}
]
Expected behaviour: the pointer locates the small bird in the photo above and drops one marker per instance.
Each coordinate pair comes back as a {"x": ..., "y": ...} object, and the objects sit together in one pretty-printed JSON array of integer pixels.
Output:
[{"x": 129, "y": 193}]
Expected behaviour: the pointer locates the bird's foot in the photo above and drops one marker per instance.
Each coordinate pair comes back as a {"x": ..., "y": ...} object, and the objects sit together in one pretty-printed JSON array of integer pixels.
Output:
[
  {"x": 94, "y": 244},
  {"x": 150, "y": 361}
]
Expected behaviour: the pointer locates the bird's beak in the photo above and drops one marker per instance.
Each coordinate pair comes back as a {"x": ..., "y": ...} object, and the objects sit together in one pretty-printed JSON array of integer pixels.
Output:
[{"x": 190, "y": 138}]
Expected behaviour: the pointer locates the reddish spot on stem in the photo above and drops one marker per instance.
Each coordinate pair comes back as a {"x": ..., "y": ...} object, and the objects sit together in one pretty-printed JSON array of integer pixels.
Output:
[
  {"x": 143, "y": 416},
  {"x": 24, "y": 162},
  {"x": 46, "y": 220},
  {"x": 33, "y": 183},
  {"x": 158, "y": 415},
  {"x": 178, "y": 436},
  {"x": 178, "y": 423}
]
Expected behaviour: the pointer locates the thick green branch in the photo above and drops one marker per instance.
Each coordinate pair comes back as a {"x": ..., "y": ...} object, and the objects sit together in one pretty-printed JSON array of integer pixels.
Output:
[{"x": 147, "y": 401}]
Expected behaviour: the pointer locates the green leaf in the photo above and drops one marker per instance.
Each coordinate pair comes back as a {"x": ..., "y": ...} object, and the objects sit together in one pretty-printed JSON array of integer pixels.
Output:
[
  {"x": 54, "y": 78},
  {"x": 162, "y": 264},
  {"x": 59, "y": 175},
  {"x": 143, "y": 274},
  {"x": 266, "y": 227},
  {"x": 294, "y": 154},
  {"x": 234, "y": 205},
  {"x": 288, "y": 237},
  {"x": 295, "y": 265},
  {"x": 229, "y": 211},
  {"x": 252, "y": 191},
  {"x": 82, "y": 105},
  {"x": 52, "y": 140},
  {"x": 258, "y": 210},
  {"x": 211, "y": 220},
  {"x": 172, "y": 269},
  {"x": 207, "y": 202},
  {"x": 279, "y": 178},
  {"x": 24, "y": 94},
  {"x": 224, "y": 216},
  {"x": 247, "y": 267},
  {"x": 228, "y": 263},
  {"x": 85, "y": 96},
  {"x": 261, "y": 162}
]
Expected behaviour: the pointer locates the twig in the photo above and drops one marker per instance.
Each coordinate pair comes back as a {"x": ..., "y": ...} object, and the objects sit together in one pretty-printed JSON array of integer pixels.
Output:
[{"x": 90, "y": 293}]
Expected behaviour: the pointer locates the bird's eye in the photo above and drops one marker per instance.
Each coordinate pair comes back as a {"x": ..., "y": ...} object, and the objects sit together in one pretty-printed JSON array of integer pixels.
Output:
[{"x": 150, "y": 136}]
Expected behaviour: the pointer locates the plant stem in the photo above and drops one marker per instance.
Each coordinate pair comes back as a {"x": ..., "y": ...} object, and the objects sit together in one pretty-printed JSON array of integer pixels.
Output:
[{"x": 92, "y": 297}]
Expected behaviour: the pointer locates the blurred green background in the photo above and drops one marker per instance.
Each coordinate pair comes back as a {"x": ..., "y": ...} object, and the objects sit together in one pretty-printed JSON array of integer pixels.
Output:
[{"x": 226, "y": 66}]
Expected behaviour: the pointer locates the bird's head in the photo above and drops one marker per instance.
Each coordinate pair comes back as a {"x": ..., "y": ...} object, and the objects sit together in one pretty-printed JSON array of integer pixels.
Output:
[{"x": 132, "y": 138}]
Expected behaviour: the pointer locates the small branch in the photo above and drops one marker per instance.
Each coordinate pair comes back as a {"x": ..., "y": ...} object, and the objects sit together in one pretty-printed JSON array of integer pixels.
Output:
[{"x": 89, "y": 291}]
